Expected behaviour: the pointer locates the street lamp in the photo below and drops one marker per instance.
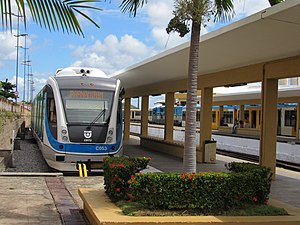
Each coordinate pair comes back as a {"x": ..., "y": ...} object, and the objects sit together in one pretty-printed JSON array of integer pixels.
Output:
[
  {"x": 25, "y": 63},
  {"x": 17, "y": 57},
  {"x": 29, "y": 79}
]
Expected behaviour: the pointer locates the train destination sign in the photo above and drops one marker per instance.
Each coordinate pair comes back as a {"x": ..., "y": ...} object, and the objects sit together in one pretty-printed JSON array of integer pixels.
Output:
[{"x": 86, "y": 94}]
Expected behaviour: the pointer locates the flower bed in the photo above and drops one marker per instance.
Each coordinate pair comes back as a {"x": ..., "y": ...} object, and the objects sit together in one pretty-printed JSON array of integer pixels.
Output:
[
  {"x": 118, "y": 171},
  {"x": 246, "y": 183}
]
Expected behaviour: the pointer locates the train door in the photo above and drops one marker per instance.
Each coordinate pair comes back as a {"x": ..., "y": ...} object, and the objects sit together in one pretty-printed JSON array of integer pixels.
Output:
[
  {"x": 215, "y": 120},
  {"x": 253, "y": 119},
  {"x": 279, "y": 122},
  {"x": 288, "y": 122}
]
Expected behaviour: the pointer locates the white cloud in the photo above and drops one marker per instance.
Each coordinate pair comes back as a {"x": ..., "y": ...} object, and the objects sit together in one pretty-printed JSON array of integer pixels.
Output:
[
  {"x": 7, "y": 46},
  {"x": 112, "y": 54},
  {"x": 159, "y": 14},
  {"x": 115, "y": 53},
  {"x": 247, "y": 7}
]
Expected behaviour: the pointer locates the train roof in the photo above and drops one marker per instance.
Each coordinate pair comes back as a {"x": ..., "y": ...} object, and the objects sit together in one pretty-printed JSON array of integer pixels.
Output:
[
  {"x": 286, "y": 92},
  {"x": 80, "y": 71},
  {"x": 84, "y": 78}
]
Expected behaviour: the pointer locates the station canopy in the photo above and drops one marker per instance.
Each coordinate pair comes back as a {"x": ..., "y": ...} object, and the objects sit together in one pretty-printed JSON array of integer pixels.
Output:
[{"x": 271, "y": 34}]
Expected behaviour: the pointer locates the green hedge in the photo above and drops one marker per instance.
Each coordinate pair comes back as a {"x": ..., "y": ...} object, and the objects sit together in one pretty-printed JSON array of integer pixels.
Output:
[
  {"x": 117, "y": 173},
  {"x": 263, "y": 181},
  {"x": 205, "y": 191}
]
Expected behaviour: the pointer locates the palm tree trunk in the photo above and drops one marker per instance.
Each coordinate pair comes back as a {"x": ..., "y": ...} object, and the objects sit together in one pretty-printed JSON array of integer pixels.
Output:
[{"x": 189, "y": 157}]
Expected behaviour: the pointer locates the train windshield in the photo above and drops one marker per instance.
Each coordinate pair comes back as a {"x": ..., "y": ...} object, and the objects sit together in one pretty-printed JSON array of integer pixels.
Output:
[{"x": 83, "y": 107}]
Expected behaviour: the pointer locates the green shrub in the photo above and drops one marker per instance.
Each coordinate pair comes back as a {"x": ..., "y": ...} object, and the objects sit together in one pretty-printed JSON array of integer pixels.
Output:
[
  {"x": 261, "y": 181},
  {"x": 117, "y": 173},
  {"x": 205, "y": 191},
  {"x": 6, "y": 115}
]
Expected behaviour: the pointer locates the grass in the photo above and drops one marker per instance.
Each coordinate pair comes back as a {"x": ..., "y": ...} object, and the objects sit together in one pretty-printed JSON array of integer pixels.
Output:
[
  {"x": 136, "y": 209},
  {"x": 5, "y": 115}
]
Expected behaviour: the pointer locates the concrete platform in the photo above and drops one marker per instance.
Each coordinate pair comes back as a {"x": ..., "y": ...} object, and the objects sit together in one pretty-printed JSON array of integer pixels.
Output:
[
  {"x": 285, "y": 193},
  {"x": 100, "y": 210}
]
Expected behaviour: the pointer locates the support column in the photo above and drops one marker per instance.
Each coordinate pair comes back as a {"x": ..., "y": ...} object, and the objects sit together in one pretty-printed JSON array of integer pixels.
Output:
[
  {"x": 169, "y": 119},
  {"x": 205, "y": 120},
  {"x": 221, "y": 113},
  {"x": 127, "y": 119},
  {"x": 268, "y": 136},
  {"x": 144, "y": 119},
  {"x": 242, "y": 113},
  {"x": 298, "y": 121}
]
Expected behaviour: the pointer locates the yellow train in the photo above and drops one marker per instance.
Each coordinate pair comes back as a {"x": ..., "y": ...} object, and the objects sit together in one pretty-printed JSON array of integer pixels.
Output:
[{"x": 287, "y": 117}]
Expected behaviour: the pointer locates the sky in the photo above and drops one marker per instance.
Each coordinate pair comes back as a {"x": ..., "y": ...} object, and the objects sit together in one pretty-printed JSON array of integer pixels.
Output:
[{"x": 120, "y": 42}]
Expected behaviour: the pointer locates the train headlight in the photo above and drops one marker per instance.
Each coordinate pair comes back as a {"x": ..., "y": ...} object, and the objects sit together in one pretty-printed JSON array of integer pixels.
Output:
[
  {"x": 65, "y": 138},
  {"x": 109, "y": 139},
  {"x": 64, "y": 134},
  {"x": 110, "y": 133}
]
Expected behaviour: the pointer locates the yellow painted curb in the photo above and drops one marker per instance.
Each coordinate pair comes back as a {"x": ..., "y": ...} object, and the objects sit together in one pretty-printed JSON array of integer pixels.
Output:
[{"x": 100, "y": 210}]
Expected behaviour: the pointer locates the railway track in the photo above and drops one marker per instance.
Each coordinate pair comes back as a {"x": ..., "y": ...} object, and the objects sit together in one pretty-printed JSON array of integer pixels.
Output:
[
  {"x": 248, "y": 157},
  {"x": 255, "y": 158}
]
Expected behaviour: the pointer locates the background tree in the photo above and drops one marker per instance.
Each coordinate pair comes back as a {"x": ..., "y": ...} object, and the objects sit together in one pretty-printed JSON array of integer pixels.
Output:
[
  {"x": 56, "y": 15},
  {"x": 7, "y": 89}
]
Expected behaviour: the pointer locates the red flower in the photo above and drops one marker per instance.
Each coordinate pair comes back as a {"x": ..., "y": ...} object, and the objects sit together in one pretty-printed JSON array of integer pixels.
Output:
[
  {"x": 254, "y": 199},
  {"x": 130, "y": 195},
  {"x": 118, "y": 189},
  {"x": 132, "y": 176},
  {"x": 149, "y": 158},
  {"x": 111, "y": 165},
  {"x": 266, "y": 200},
  {"x": 191, "y": 177},
  {"x": 121, "y": 165}
]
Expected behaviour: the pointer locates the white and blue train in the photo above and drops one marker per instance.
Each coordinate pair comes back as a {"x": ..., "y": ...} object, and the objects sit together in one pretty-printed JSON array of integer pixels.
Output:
[{"x": 77, "y": 118}]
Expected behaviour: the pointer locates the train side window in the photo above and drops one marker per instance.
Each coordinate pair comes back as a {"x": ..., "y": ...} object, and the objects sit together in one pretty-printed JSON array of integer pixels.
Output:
[
  {"x": 246, "y": 115},
  {"x": 228, "y": 117},
  {"x": 52, "y": 111},
  {"x": 290, "y": 118},
  {"x": 214, "y": 116},
  {"x": 198, "y": 115}
]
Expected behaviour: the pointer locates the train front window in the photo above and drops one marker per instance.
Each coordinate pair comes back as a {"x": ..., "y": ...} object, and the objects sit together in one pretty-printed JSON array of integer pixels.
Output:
[{"x": 85, "y": 106}]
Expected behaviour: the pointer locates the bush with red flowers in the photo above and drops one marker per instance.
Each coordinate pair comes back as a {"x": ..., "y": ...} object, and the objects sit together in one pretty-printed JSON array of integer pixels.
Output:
[
  {"x": 118, "y": 171},
  {"x": 204, "y": 191}
]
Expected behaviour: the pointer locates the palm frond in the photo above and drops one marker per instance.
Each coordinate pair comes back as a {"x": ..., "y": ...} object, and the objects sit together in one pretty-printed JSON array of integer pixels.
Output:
[
  {"x": 6, "y": 13},
  {"x": 131, "y": 6},
  {"x": 224, "y": 10},
  {"x": 53, "y": 15}
]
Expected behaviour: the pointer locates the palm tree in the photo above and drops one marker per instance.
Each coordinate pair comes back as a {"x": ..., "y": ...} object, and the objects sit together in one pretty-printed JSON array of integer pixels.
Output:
[
  {"x": 52, "y": 14},
  {"x": 198, "y": 11}
]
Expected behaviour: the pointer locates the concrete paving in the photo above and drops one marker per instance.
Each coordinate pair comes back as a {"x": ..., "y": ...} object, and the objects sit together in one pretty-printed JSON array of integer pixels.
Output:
[{"x": 26, "y": 199}]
